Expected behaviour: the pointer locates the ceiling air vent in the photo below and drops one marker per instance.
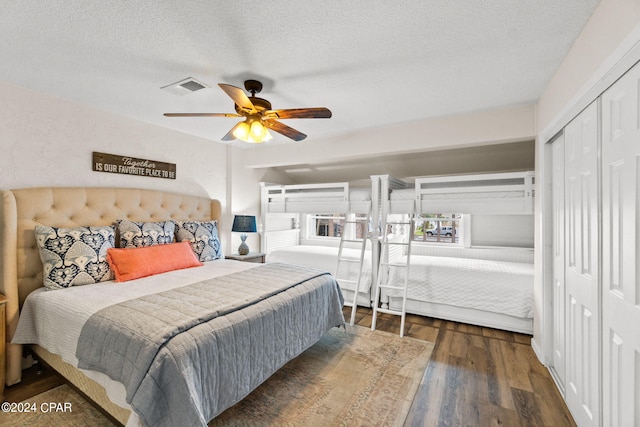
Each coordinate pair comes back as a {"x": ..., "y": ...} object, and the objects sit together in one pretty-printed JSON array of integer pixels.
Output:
[{"x": 185, "y": 86}]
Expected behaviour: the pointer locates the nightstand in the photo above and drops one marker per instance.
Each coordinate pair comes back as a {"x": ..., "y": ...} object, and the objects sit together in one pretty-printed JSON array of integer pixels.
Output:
[
  {"x": 3, "y": 301},
  {"x": 250, "y": 257}
]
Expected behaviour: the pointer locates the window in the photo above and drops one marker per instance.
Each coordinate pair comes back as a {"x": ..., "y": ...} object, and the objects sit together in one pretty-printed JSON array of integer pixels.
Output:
[
  {"x": 438, "y": 228},
  {"x": 333, "y": 225},
  {"x": 326, "y": 225}
]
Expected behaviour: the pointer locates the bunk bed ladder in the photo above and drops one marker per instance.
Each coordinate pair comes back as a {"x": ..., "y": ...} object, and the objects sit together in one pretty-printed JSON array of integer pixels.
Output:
[
  {"x": 387, "y": 264},
  {"x": 355, "y": 219}
]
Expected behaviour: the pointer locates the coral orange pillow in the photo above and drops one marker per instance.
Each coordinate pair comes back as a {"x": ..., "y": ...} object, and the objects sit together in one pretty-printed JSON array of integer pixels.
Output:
[{"x": 133, "y": 263}]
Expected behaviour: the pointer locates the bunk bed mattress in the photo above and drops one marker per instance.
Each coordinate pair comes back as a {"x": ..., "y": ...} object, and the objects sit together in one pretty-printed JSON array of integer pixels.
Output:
[
  {"x": 493, "y": 286},
  {"x": 359, "y": 200},
  {"x": 410, "y": 194},
  {"x": 355, "y": 195},
  {"x": 326, "y": 258},
  {"x": 403, "y": 194}
]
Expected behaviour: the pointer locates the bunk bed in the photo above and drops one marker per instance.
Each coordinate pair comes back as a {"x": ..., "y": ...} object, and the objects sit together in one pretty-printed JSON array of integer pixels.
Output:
[
  {"x": 496, "y": 193},
  {"x": 490, "y": 287},
  {"x": 283, "y": 208}
]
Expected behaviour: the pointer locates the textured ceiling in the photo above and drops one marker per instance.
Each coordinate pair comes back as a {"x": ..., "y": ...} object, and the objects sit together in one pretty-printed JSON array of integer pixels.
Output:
[{"x": 373, "y": 63}]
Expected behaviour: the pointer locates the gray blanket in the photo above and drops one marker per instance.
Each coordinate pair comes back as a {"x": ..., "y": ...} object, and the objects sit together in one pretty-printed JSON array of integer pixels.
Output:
[{"x": 187, "y": 354}]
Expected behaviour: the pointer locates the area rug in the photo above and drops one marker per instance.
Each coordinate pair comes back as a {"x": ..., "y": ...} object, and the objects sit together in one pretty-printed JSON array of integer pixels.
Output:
[
  {"x": 60, "y": 406},
  {"x": 356, "y": 377}
]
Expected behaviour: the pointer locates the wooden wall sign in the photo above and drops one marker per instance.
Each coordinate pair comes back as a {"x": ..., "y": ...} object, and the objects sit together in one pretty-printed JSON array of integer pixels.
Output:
[{"x": 113, "y": 163}]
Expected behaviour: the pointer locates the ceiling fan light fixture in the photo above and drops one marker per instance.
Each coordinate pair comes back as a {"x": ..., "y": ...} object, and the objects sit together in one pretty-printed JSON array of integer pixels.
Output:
[
  {"x": 258, "y": 131},
  {"x": 242, "y": 131},
  {"x": 253, "y": 131}
]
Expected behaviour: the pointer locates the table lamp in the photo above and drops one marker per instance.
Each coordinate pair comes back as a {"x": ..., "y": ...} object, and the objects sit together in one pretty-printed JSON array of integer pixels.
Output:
[{"x": 244, "y": 224}]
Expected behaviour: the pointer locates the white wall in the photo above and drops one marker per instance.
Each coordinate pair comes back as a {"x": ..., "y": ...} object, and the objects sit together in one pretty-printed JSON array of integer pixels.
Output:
[
  {"x": 601, "y": 43},
  {"x": 243, "y": 197},
  {"x": 502, "y": 230},
  {"x": 480, "y": 128},
  {"x": 604, "y": 44},
  {"x": 48, "y": 141}
]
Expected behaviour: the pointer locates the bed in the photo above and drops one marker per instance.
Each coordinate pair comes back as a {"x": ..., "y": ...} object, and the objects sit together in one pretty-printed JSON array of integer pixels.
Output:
[
  {"x": 286, "y": 318},
  {"x": 492, "y": 293},
  {"x": 495, "y": 193},
  {"x": 283, "y": 207},
  {"x": 314, "y": 198},
  {"x": 490, "y": 287}
]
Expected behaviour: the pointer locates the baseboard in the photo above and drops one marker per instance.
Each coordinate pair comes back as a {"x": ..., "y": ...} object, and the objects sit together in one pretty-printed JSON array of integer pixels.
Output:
[{"x": 538, "y": 352}]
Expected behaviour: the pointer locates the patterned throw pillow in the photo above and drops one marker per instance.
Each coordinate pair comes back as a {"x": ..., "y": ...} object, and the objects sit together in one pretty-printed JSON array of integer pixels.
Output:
[
  {"x": 140, "y": 234},
  {"x": 74, "y": 256},
  {"x": 203, "y": 237}
]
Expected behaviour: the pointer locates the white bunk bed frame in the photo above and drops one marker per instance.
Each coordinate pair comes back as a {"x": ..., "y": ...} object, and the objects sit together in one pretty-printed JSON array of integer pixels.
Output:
[
  {"x": 288, "y": 201},
  {"x": 503, "y": 193},
  {"x": 299, "y": 199},
  {"x": 307, "y": 198},
  {"x": 498, "y": 193}
]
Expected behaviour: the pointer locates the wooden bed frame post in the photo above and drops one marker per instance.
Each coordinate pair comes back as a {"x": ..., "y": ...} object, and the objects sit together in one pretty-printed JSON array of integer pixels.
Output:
[{"x": 9, "y": 285}]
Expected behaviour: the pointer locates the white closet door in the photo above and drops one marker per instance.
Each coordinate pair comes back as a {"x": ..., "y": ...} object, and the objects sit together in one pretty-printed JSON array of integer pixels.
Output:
[
  {"x": 581, "y": 267},
  {"x": 621, "y": 240},
  {"x": 557, "y": 188}
]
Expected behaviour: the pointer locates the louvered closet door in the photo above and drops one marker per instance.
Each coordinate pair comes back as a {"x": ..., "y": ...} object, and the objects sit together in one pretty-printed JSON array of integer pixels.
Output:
[
  {"x": 557, "y": 183},
  {"x": 621, "y": 238},
  {"x": 581, "y": 267}
]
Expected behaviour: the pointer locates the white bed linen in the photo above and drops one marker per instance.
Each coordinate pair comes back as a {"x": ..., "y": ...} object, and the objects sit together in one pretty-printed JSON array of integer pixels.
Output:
[
  {"x": 326, "y": 258},
  {"x": 403, "y": 194},
  {"x": 356, "y": 195},
  {"x": 494, "y": 286},
  {"x": 53, "y": 319},
  {"x": 410, "y": 194}
]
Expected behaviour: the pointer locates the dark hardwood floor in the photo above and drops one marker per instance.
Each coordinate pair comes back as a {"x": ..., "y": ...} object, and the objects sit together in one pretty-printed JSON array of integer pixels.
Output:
[
  {"x": 35, "y": 380},
  {"x": 476, "y": 377}
]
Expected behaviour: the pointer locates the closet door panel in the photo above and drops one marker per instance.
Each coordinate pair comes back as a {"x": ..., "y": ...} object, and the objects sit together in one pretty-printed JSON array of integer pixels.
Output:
[
  {"x": 559, "y": 301},
  {"x": 581, "y": 267},
  {"x": 620, "y": 243}
]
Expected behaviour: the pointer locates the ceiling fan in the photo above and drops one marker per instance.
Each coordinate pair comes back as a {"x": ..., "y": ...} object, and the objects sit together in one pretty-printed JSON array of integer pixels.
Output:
[{"x": 259, "y": 117}]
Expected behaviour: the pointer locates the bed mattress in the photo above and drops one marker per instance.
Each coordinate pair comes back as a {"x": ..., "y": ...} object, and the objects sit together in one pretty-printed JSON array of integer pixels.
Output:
[
  {"x": 326, "y": 258},
  {"x": 317, "y": 202},
  {"x": 316, "y": 196},
  {"x": 410, "y": 194},
  {"x": 403, "y": 194},
  {"x": 494, "y": 286}
]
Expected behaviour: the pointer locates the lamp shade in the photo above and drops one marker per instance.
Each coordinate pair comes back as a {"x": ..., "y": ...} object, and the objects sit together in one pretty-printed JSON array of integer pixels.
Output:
[{"x": 244, "y": 224}]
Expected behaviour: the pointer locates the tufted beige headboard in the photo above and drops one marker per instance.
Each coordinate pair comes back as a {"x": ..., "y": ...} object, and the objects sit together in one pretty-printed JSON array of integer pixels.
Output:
[{"x": 21, "y": 210}]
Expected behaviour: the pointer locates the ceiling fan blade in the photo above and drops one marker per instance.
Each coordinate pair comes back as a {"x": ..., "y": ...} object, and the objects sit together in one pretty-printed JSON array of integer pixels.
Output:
[
  {"x": 285, "y": 130},
  {"x": 299, "y": 113},
  {"x": 239, "y": 97},
  {"x": 229, "y": 136},
  {"x": 202, "y": 115}
]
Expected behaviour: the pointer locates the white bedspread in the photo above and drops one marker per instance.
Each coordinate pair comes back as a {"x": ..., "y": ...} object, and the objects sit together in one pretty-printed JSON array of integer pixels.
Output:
[
  {"x": 410, "y": 194},
  {"x": 326, "y": 258},
  {"x": 53, "y": 319},
  {"x": 494, "y": 286}
]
